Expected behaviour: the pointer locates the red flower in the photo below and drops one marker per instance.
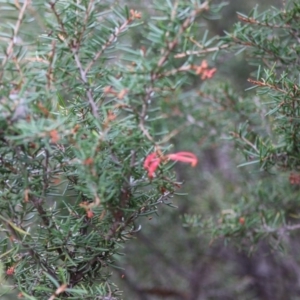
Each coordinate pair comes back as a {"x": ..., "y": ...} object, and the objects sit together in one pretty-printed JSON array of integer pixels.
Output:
[
  {"x": 187, "y": 157},
  {"x": 209, "y": 73},
  {"x": 152, "y": 161},
  {"x": 10, "y": 271},
  {"x": 204, "y": 71},
  {"x": 89, "y": 214}
]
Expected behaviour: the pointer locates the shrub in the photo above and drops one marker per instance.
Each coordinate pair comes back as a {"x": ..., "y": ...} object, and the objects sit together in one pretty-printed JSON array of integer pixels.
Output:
[{"x": 83, "y": 149}]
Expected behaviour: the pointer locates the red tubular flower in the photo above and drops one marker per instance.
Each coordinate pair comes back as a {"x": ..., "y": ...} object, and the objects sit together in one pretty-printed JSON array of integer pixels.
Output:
[
  {"x": 152, "y": 161},
  {"x": 187, "y": 157}
]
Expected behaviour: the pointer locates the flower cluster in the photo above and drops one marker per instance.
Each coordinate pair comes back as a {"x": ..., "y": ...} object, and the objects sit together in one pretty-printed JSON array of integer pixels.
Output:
[
  {"x": 153, "y": 160},
  {"x": 204, "y": 71}
]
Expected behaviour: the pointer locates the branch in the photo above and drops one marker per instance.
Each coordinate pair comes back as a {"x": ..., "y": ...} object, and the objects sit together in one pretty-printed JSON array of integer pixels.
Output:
[
  {"x": 110, "y": 40},
  {"x": 256, "y": 22},
  {"x": 281, "y": 230},
  {"x": 74, "y": 46},
  {"x": 203, "y": 51},
  {"x": 170, "y": 48},
  {"x": 10, "y": 46},
  {"x": 172, "y": 45},
  {"x": 84, "y": 79}
]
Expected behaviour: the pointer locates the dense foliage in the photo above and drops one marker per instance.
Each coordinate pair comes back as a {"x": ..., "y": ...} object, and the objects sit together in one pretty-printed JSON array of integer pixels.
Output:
[{"x": 99, "y": 100}]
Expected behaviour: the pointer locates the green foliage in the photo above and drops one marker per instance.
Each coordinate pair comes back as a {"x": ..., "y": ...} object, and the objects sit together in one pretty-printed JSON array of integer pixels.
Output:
[
  {"x": 80, "y": 110},
  {"x": 265, "y": 130},
  {"x": 271, "y": 42},
  {"x": 88, "y": 89}
]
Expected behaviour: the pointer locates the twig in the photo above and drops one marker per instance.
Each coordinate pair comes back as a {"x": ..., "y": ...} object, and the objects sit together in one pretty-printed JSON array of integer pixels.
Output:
[
  {"x": 281, "y": 230},
  {"x": 45, "y": 174},
  {"x": 74, "y": 48},
  {"x": 237, "y": 135},
  {"x": 198, "y": 52},
  {"x": 79, "y": 35},
  {"x": 256, "y": 22},
  {"x": 172, "y": 45},
  {"x": 143, "y": 113},
  {"x": 49, "y": 74},
  {"x": 274, "y": 87},
  {"x": 10, "y": 46},
  {"x": 37, "y": 203},
  {"x": 84, "y": 79},
  {"x": 60, "y": 22},
  {"x": 110, "y": 40},
  {"x": 155, "y": 74}
]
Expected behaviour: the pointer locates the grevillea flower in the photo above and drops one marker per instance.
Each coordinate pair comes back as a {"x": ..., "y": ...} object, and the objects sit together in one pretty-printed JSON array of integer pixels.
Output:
[
  {"x": 207, "y": 74},
  {"x": 187, "y": 157},
  {"x": 152, "y": 161},
  {"x": 204, "y": 71}
]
